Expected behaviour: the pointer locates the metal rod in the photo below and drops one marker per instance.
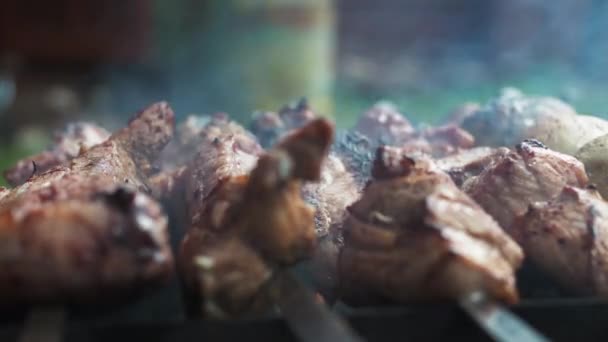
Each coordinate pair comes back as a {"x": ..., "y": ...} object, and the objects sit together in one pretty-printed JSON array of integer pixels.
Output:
[
  {"x": 501, "y": 324},
  {"x": 308, "y": 318},
  {"x": 44, "y": 324}
]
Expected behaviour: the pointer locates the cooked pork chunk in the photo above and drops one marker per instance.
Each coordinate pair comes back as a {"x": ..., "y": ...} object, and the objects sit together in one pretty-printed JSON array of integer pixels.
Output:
[
  {"x": 191, "y": 133},
  {"x": 330, "y": 197},
  {"x": 384, "y": 125},
  {"x": 241, "y": 211},
  {"x": 338, "y": 188},
  {"x": 269, "y": 127},
  {"x": 67, "y": 144},
  {"x": 439, "y": 141},
  {"x": 468, "y": 163},
  {"x": 414, "y": 235},
  {"x": 85, "y": 227},
  {"x": 567, "y": 238},
  {"x": 529, "y": 173},
  {"x": 513, "y": 117}
]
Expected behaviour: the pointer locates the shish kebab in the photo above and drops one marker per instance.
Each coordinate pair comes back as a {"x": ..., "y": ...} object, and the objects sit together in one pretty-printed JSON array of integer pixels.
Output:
[{"x": 461, "y": 140}]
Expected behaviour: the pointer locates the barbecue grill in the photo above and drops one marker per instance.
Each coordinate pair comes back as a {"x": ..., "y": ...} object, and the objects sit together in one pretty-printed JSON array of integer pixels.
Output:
[
  {"x": 248, "y": 57},
  {"x": 162, "y": 317}
]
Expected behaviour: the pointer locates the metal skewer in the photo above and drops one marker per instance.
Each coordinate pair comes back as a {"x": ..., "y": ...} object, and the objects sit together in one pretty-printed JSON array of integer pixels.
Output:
[
  {"x": 309, "y": 319},
  {"x": 501, "y": 324},
  {"x": 44, "y": 324}
]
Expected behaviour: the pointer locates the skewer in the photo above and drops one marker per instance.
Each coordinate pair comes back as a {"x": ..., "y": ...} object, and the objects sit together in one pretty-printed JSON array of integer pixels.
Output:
[
  {"x": 44, "y": 324},
  {"x": 309, "y": 319},
  {"x": 498, "y": 322}
]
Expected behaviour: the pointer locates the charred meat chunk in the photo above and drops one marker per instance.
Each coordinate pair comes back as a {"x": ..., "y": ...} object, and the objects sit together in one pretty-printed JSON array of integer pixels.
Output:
[
  {"x": 67, "y": 144},
  {"x": 439, "y": 141},
  {"x": 529, "y": 173},
  {"x": 414, "y": 235},
  {"x": 567, "y": 238},
  {"x": 384, "y": 125},
  {"x": 250, "y": 205},
  {"x": 514, "y": 116},
  {"x": 86, "y": 226},
  {"x": 191, "y": 133},
  {"x": 469, "y": 163},
  {"x": 330, "y": 197},
  {"x": 269, "y": 127}
]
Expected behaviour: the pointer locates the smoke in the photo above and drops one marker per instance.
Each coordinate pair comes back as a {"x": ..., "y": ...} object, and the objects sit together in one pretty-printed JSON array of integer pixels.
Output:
[{"x": 427, "y": 56}]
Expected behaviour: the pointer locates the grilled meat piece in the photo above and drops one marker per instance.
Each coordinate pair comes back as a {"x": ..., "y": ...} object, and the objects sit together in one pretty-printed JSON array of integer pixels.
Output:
[
  {"x": 468, "y": 163},
  {"x": 414, "y": 235},
  {"x": 175, "y": 184},
  {"x": 567, "y": 238},
  {"x": 74, "y": 250},
  {"x": 225, "y": 153},
  {"x": 529, "y": 173},
  {"x": 269, "y": 127},
  {"x": 439, "y": 141},
  {"x": 82, "y": 227},
  {"x": 242, "y": 211},
  {"x": 191, "y": 133},
  {"x": 67, "y": 144},
  {"x": 513, "y": 117},
  {"x": 384, "y": 125},
  {"x": 330, "y": 197}
]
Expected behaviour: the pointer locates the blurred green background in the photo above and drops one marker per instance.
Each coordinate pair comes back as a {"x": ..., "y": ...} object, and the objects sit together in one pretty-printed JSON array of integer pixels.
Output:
[{"x": 101, "y": 61}]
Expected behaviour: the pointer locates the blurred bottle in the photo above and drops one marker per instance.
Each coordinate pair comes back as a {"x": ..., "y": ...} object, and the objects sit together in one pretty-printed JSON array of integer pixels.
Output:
[{"x": 244, "y": 55}]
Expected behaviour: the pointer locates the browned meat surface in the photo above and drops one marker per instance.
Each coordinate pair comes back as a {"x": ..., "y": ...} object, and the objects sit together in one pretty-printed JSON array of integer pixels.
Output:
[
  {"x": 468, "y": 163},
  {"x": 439, "y": 141},
  {"x": 337, "y": 189},
  {"x": 225, "y": 152},
  {"x": 67, "y": 144},
  {"x": 269, "y": 127},
  {"x": 240, "y": 212},
  {"x": 383, "y": 124},
  {"x": 82, "y": 226},
  {"x": 175, "y": 185},
  {"x": 191, "y": 133},
  {"x": 567, "y": 238},
  {"x": 83, "y": 250},
  {"x": 183, "y": 147},
  {"x": 529, "y": 173},
  {"x": 414, "y": 235},
  {"x": 514, "y": 116},
  {"x": 330, "y": 197}
]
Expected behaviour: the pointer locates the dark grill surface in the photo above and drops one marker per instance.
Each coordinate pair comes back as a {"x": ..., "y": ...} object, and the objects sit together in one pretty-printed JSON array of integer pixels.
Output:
[
  {"x": 560, "y": 320},
  {"x": 162, "y": 315}
]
